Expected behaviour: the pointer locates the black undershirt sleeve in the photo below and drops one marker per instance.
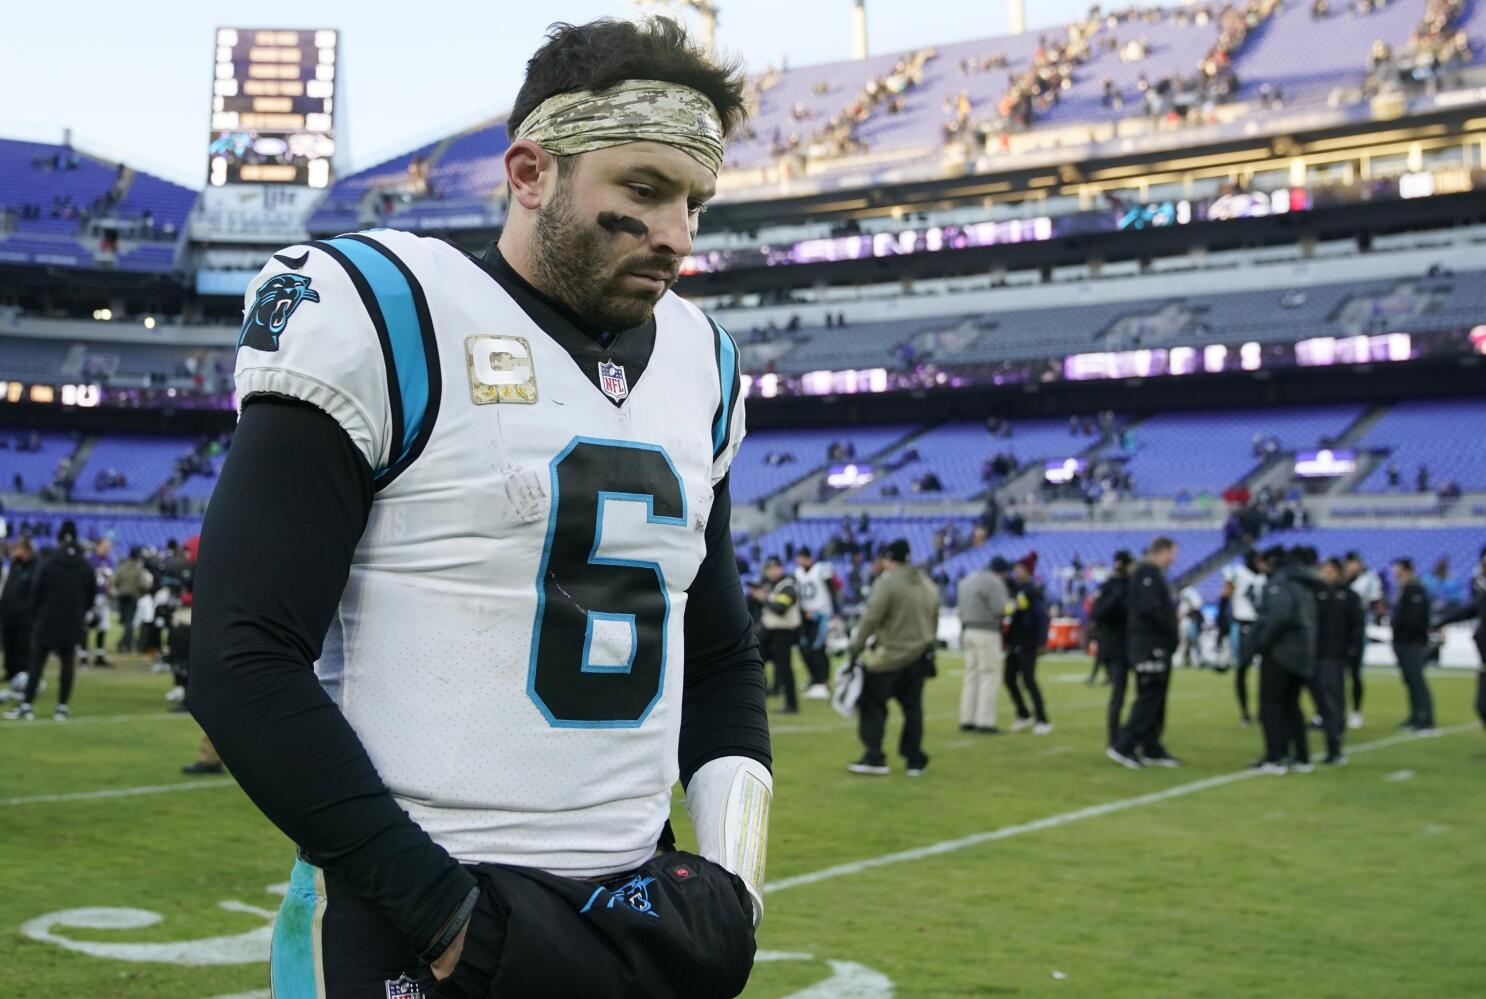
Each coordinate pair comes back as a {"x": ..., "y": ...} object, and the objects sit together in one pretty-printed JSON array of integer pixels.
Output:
[
  {"x": 276, "y": 549},
  {"x": 722, "y": 708}
]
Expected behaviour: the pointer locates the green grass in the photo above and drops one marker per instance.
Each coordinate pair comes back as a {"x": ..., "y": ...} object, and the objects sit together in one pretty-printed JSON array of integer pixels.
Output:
[{"x": 1342, "y": 883}]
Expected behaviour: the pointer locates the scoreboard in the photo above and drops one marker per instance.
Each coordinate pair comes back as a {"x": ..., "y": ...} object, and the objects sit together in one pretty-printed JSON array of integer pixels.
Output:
[{"x": 273, "y": 107}]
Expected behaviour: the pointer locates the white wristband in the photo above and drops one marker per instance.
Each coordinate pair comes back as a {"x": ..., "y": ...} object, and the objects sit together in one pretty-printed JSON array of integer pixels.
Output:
[{"x": 728, "y": 800}]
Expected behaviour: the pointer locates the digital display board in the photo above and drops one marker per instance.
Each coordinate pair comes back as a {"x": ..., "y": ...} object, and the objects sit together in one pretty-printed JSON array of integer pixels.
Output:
[
  {"x": 273, "y": 107},
  {"x": 1327, "y": 463}
]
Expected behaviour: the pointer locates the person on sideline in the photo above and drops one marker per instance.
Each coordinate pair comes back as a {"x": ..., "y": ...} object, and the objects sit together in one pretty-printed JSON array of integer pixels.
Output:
[
  {"x": 1111, "y": 616},
  {"x": 1025, "y": 636},
  {"x": 1151, "y": 638},
  {"x": 983, "y": 608},
  {"x": 895, "y": 640},
  {"x": 1410, "y": 618}
]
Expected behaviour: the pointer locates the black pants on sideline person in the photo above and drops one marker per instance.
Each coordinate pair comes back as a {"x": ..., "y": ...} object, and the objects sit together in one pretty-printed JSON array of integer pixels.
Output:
[
  {"x": 1355, "y": 668},
  {"x": 128, "y": 607},
  {"x": 1119, "y": 681},
  {"x": 1411, "y": 664},
  {"x": 1148, "y": 714},
  {"x": 813, "y": 649},
  {"x": 1328, "y": 691},
  {"x": 65, "y": 656},
  {"x": 1285, "y": 733},
  {"x": 906, "y": 686},
  {"x": 16, "y": 646},
  {"x": 1242, "y": 634},
  {"x": 779, "y": 648},
  {"x": 1021, "y": 663}
]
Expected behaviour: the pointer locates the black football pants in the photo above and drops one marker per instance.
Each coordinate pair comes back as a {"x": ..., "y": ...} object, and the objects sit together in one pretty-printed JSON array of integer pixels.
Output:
[
  {"x": 1021, "y": 665},
  {"x": 678, "y": 927},
  {"x": 1411, "y": 664},
  {"x": 65, "y": 656},
  {"x": 1148, "y": 713},
  {"x": 1285, "y": 732},
  {"x": 1328, "y": 691},
  {"x": 906, "y": 686},
  {"x": 779, "y": 648}
]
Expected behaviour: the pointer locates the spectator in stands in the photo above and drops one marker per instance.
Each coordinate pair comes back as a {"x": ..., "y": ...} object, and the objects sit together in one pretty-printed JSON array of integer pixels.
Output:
[
  {"x": 1285, "y": 641},
  {"x": 64, "y": 591},
  {"x": 15, "y": 611},
  {"x": 1410, "y": 619},
  {"x": 131, "y": 581},
  {"x": 983, "y": 606},
  {"x": 1340, "y": 634},
  {"x": 1151, "y": 639},
  {"x": 1421, "y": 479},
  {"x": 1110, "y": 616},
  {"x": 1025, "y": 636},
  {"x": 780, "y": 596},
  {"x": 901, "y": 626}
]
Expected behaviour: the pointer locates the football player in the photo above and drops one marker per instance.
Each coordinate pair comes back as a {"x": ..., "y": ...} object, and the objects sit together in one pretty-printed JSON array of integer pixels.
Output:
[{"x": 487, "y": 499}]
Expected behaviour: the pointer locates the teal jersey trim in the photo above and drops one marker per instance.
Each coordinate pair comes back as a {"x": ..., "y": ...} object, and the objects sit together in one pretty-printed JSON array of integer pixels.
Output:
[
  {"x": 292, "y": 963},
  {"x": 727, "y": 373},
  {"x": 394, "y": 295}
]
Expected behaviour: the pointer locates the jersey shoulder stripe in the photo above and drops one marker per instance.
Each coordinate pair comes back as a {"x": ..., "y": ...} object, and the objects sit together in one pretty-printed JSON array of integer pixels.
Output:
[
  {"x": 399, "y": 311},
  {"x": 728, "y": 376}
]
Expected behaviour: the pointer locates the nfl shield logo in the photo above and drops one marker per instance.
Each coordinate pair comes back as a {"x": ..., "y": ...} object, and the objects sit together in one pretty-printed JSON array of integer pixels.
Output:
[
  {"x": 403, "y": 988},
  {"x": 612, "y": 382}
]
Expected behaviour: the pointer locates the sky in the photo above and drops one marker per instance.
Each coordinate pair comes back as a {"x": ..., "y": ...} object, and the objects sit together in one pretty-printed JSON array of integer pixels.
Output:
[{"x": 133, "y": 81}]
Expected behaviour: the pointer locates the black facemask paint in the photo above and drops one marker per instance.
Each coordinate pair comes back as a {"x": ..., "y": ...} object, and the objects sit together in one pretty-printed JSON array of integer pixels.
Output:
[{"x": 623, "y": 223}]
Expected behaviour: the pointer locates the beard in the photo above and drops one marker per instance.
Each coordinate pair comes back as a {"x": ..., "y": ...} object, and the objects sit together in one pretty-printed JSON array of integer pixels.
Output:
[{"x": 576, "y": 266}]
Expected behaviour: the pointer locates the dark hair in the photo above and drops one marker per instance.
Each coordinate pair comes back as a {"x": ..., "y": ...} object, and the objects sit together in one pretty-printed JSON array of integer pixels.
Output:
[
  {"x": 1160, "y": 543},
  {"x": 602, "y": 53},
  {"x": 1335, "y": 563},
  {"x": 1123, "y": 557},
  {"x": 1407, "y": 564},
  {"x": 772, "y": 560},
  {"x": 803, "y": 550},
  {"x": 896, "y": 550}
]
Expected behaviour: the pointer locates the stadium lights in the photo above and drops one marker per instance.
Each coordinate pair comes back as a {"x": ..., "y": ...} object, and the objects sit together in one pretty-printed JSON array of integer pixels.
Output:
[
  {"x": 103, "y": 315},
  {"x": 149, "y": 322}
]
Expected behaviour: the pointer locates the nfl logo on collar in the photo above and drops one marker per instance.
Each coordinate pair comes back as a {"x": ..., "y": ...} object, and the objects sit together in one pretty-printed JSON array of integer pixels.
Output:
[{"x": 612, "y": 381}]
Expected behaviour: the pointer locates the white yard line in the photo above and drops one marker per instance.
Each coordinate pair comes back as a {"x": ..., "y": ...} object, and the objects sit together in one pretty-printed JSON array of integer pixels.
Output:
[
  {"x": 1065, "y": 818},
  {"x": 45, "y": 723},
  {"x": 118, "y": 792}
]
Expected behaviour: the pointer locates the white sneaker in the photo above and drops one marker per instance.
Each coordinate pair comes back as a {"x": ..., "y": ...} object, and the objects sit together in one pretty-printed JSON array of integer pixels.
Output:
[
  {"x": 817, "y": 692},
  {"x": 1354, "y": 720},
  {"x": 1302, "y": 768},
  {"x": 61, "y": 714},
  {"x": 870, "y": 769},
  {"x": 1022, "y": 724},
  {"x": 1122, "y": 759},
  {"x": 175, "y": 694},
  {"x": 1043, "y": 728},
  {"x": 1426, "y": 732},
  {"x": 21, "y": 712}
]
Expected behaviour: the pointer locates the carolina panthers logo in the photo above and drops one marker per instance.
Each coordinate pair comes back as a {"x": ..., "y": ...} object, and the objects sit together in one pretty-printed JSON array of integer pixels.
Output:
[{"x": 277, "y": 299}]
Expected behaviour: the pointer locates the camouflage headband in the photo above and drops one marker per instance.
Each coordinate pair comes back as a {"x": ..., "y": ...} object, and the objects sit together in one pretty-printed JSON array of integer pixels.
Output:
[{"x": 581, "y": 121}]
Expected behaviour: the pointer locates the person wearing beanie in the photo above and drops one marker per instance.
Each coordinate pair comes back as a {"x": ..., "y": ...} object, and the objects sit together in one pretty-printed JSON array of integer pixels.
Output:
[
  {"x": 895, "y": 642},
  {"x": 983, "y": 606},
  {"x": 64, "y": 591},
  {"x": 1151, "y": 641},
  {"x": 1025, "y": 636},
  {"x": 1111, "y": 614}
]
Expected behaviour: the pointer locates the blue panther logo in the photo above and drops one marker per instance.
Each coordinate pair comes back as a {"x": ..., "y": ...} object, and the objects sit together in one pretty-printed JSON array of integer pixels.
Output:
[
  {"x": 634, "y": 893},
  {"x": 277, "y": 299}
]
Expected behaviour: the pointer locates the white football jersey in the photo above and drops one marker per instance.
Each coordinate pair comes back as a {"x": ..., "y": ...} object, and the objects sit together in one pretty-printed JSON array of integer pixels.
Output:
[
  {"x": 508, "y": 646},
  {"x": 815, "y": 588},
  {"x": 1248, "y": 587}
]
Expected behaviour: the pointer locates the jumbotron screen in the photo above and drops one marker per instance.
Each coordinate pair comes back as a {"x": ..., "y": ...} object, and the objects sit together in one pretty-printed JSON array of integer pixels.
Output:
[{"x": 273, "y": 107}]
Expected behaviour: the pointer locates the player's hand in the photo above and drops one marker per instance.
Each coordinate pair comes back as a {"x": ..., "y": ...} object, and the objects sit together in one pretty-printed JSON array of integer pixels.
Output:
[{"x": 444, "y": 966}]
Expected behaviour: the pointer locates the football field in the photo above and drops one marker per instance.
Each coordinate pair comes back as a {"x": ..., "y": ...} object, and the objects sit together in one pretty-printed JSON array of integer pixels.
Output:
[{"x": 1017, "y": 865}]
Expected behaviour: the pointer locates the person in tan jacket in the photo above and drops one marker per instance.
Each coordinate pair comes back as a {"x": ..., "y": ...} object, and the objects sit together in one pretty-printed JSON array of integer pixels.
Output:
[{"x": 895, "y": 643}]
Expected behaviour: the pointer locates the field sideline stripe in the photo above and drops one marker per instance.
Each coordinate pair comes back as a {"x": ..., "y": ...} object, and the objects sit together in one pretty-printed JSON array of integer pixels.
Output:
[
  {"x": 1065, "y": 818},
  {"x": 118, "y": 792}
]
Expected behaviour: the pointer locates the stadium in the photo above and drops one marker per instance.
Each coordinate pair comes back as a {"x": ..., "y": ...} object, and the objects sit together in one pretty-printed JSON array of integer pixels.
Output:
[{"x": 1213, "y": 273}]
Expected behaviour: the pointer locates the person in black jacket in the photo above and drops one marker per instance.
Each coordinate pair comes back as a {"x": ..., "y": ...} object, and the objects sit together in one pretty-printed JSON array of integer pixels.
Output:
[
  {"x": 1340, "y": 622},
  {"x": 15, "y": 611},
  {"x": 1025, "y": 636},
  {"x": 1410, "y": 619},
  {"x": 1285, "y": 641},
  {"x": 780, "y": 596},
  {"x": 1111, "y": 617},
  {"x": 1150, "y": 640},
  {"x": 1476, "y": 609},
  {"x": 64, "y": 591}
]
